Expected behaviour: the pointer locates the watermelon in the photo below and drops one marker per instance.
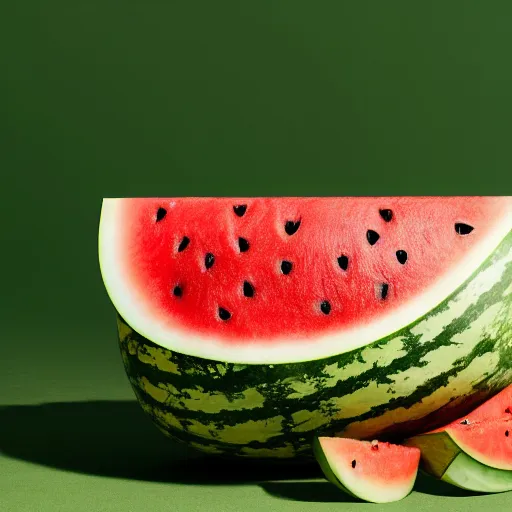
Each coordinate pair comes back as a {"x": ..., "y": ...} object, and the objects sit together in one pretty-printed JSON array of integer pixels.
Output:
[
  {"x": 372, "y": 471},
  {"x": 484, "y": 434},
  {"x": 443, "y": 459},
  {"x": 247, "y": 326}
]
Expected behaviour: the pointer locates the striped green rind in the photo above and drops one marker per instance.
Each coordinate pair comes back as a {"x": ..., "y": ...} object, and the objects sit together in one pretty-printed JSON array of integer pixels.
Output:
[{"x": 421, "y": 377}]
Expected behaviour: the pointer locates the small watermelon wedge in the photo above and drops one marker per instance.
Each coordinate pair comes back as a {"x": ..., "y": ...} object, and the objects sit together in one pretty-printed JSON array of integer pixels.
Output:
[
  {"x": 485, "y": 435},
  {"x": 371, "y": 471}
]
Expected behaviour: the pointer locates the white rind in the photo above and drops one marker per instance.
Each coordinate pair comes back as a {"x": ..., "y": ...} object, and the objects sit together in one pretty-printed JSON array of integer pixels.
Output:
[{"x": 131, "y": 306}]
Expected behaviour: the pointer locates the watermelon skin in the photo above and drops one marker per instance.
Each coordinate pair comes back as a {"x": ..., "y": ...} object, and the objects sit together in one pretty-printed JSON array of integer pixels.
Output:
[{"x": 423, "y": 376}]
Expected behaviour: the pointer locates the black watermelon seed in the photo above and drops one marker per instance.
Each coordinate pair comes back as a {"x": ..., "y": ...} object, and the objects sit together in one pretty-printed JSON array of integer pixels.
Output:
[
  {"x": 384, "y": 287},
  {"x": 243, "y": 244},
  {"x": 160, "y": 214},
  {"x": 463, "y": 229},
  {"x": 506, "y": 433},
  {"x": 286, "y": 267},
  {"x": 508, "y": 410},
  {"x": 178, "y": 292},
  {"x": 183, "y": 244},
  {"x": 401, "y": 256},
  {"x": 209, "y": 260},
  {"x": 387, "y": 215},
  {"x": 240, "y": 209},
  {"x": 343, "y": 262},
  {"x": 325, "y": 307},
  {"x": 354, "y": 463},
  {"x": 372, "y": 236},
  {"x": 291, "y": 227},
  {"x": 224, "y": 314},
  {"x": 465, "y": 422},
  {"x": 248, "y": 289}
]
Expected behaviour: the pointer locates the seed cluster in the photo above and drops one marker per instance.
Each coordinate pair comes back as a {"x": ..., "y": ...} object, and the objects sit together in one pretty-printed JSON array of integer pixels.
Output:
[{"x": 290, "y": 228}]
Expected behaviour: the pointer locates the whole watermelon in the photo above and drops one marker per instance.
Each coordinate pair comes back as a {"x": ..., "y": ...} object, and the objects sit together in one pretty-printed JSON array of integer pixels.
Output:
[{"x": 249, "y": 325}]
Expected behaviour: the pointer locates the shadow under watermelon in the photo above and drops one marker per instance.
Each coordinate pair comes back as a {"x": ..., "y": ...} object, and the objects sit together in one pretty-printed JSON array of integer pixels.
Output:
[{"x": 116, "y": 439}]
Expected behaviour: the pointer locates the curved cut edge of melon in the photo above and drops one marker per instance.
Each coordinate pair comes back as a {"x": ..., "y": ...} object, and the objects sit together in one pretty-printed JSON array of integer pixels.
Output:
[
  {"x": 362, "y": 489},
  {"x": 130, "y": 304},
  {"x": 458, "y": 438},
  {"x": 467, "y": 473}
]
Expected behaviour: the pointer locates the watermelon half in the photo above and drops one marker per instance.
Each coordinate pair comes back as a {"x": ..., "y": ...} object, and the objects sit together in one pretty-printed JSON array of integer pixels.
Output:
[
  {"x": 248, "y": 325},
  {"x": 485, "y": 435},
  {"x": 372, "y": 471}
]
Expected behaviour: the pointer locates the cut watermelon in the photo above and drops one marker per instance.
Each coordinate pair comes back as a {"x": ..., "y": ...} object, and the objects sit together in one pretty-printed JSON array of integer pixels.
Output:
[
  {"x": 247, "y": 326},
  {"x": 290, "y": 279},
  {"x": 488, "y": 442},
  {"x": 443, "y": 459},
  {"x": 484, "y": 434},
  {"x": 372, "y": 471}
]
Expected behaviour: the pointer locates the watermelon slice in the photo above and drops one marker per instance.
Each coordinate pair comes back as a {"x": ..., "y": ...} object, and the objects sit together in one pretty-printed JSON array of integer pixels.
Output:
[
  {"x": 488, "y": 442},
  {"x": 372, "y": 471},
  {"x": 283, "y": 280},
  {"x": 484, "y": 434}
]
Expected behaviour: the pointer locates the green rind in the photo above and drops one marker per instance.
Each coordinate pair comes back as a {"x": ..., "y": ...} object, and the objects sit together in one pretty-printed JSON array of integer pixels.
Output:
[
  {"x": 438, "y": 451},
  {"x": 399, "y": 385},
  {"x": 467, "y": 473},
  {"x": 327, "y": 470}
]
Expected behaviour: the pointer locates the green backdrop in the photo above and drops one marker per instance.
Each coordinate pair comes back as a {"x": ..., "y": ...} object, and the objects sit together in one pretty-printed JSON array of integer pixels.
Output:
[{"x": 165, "y": 97}]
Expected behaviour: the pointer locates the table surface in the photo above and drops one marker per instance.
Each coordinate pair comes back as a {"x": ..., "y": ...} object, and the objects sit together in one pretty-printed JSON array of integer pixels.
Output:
[
  {"x": 161, "y": 97},
  {"x": 73, "y": 439}
]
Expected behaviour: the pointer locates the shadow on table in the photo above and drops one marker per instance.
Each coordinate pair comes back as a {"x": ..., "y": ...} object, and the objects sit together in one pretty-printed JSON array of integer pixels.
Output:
[
  {"x": 116, "y": 439},
  {"x": 323, "y": 491}
]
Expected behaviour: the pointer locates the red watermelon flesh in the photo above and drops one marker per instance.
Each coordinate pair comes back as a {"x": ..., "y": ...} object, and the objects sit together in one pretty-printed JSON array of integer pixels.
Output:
[
  {"x": 486, "y": 433},
  {"x": 286, "y": 279},
  {"x": 488, "y": 442},
  {"x": 373, "y": 471}
]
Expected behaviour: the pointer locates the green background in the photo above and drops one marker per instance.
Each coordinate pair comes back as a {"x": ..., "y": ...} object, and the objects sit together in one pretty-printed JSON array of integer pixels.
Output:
[{"x": 164, "y": 97}]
